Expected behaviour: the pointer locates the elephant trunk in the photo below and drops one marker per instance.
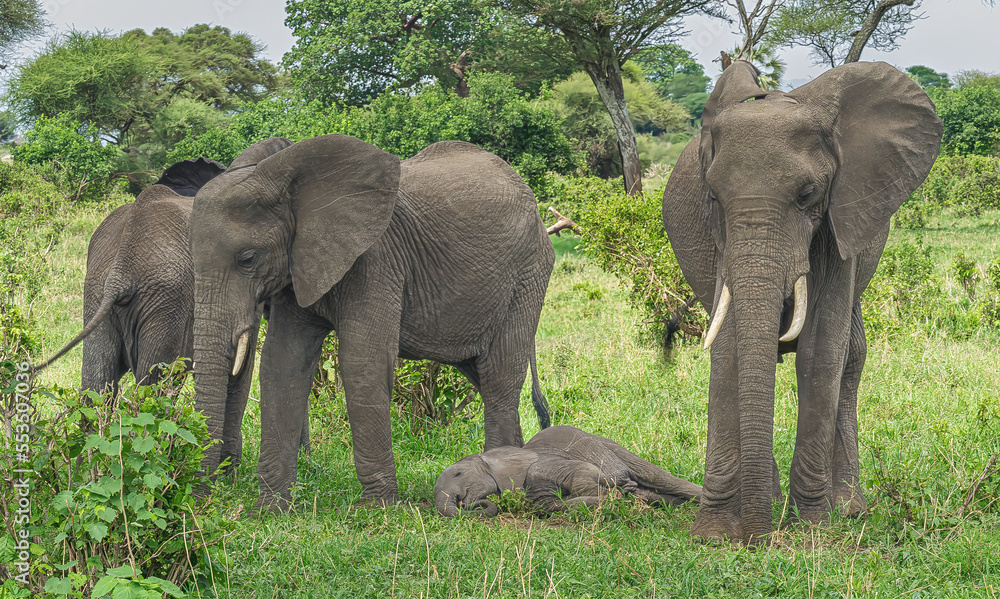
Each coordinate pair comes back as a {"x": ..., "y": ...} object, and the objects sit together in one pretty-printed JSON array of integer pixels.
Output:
[
  {"x": 757, "y": 276},
  {"x": 213, "y": 353}
]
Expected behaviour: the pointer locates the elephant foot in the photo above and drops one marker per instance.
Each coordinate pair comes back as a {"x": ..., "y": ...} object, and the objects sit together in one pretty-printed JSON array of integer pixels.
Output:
[
  {"x": 274, "y": 504},
  {"x": 377, "y": 500},
  {"x": 849, "y": 500},
  {"x": 717, "y": 525}
]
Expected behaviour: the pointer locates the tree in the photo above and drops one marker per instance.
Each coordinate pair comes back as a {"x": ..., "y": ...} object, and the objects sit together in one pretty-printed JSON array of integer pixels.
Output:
[
  {"x": 352, "y": 52},
  {"x": 836, "y": 31},
  {"x": 93, "y": 78},
  {"x": 8, "y": 126},
  {"x": 136, "y": 88},
  {"x": 20, "y": 21},
  {"x": 585, "y": 119},
  {"x": 764, "y": 57},
  {"x": 970, "y": 113},
  {"x": 603, "y": 35},
  {"x": 928, "y": 78}
]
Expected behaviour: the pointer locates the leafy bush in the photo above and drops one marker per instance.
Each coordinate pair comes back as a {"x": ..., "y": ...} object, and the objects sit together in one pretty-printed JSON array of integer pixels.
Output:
[
  {"x": 113, "y": 486},
  {"x": 624, "y": 235},
  {"x": 969, "y": 184},
  {"x": 970, "y": 113},
  {"x": 496, "y": 116},
  {"x": 71, "y": 155},
  {"x": 903, "y": 290}
]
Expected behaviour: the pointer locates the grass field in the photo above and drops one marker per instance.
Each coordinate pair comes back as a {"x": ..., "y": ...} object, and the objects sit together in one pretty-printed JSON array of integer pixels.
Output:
[{"x": 930, "y": 445}]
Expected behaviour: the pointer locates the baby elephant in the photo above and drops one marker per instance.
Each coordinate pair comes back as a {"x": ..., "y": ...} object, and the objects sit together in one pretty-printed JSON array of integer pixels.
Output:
[{"x": 559, "y": 467}]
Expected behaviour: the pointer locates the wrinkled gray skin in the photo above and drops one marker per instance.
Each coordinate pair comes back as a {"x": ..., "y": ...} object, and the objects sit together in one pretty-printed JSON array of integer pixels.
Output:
[
  {"x": 442, "y": 256},
  {"x": 559, "y": 468},
  {"x": 139, "y": 289},
  {"x": 777, "y": 186}
]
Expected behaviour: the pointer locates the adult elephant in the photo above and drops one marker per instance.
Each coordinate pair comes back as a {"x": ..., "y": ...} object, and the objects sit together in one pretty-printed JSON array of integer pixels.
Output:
[
  {"x": 442, "y": 256},
  {"x": 139, "y": 289},
  {"x": 778, "y": 214}
]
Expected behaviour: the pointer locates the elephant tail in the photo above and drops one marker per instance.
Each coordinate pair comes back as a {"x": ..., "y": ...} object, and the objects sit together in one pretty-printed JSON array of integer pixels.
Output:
[
  {"x": 538, "y": 399},
  {"x": 103, "y": 310}
]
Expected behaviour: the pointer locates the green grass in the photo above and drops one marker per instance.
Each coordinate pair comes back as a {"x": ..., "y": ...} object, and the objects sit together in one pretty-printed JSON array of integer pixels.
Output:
[{"x": 929, "y": 426}]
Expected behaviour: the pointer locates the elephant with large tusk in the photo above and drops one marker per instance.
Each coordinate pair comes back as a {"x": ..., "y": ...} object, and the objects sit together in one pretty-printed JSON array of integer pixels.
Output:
[
  {"x": 778, "y": 213},
  {"x": 560, "y": 467}
]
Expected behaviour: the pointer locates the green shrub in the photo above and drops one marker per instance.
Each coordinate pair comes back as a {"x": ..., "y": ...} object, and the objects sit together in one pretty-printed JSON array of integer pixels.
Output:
[
  {"x": 496, "y": 116},
  {"x": 112, "y": 492},
  {"x": 71, "y": 155},
  {"x": 624, "y": 235},
  {"x": 971, "y": 184},
  {"x": 967, "y": 273}
]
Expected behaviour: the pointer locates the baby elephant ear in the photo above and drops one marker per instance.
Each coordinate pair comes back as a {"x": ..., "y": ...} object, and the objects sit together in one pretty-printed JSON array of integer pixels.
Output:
[
  {"x": 886, "y": 136},
  {"x": 342, "y": 193},
  {"x": 188, "y": 176}
]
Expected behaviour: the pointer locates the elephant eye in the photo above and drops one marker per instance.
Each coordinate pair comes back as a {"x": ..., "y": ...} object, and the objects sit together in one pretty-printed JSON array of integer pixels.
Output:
[
  {"x": 246, "y": 258},
  {"x": 807, "y": 197}
]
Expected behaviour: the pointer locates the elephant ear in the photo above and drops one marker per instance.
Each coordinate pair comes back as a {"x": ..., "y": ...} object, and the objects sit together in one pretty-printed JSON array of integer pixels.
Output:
[
  {"x": 188, "y": 176},
  {"x": 509, "y": 466},
  {"x": 342, "y": 193},
  {"x": 259, "y": 151},
  {"x": 886, "y": 136}
]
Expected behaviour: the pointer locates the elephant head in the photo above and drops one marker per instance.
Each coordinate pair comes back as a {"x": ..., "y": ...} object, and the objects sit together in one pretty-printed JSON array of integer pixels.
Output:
[
  {"x": 299, "y": 217},
  {"x": 466, "y": 485},
  {"x": 793, "y": 186}
]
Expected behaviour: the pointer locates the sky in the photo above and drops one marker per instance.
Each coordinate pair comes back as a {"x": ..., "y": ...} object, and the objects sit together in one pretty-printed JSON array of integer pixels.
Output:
[{"x": 956, "y": 35}]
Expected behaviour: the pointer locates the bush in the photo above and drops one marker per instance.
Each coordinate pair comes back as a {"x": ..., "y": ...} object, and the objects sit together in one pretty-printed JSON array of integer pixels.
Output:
[
  {"x": 624, "y": 235},
  {"x": 112, "y": 492},
  {"x": 903, "y": 290},
  {"x": 970, "y": 184},
  {"x": 970, "y": 113},
  {"x": 497, "y": 117},
  {"x": 71, "y": 155}
]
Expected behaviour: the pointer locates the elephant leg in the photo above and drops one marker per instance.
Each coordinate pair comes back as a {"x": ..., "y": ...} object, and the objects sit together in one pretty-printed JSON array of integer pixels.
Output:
[
  {"x": 819, "y": 368},
  {"x": 846, "y": 461},
  {"x": 555, "y": 484},
  {"x": 502, "y": 371},
  {"x": 288, "y": 360},
  {"x": 367, "y": 360},
  {"x": 719, "y": 511}
]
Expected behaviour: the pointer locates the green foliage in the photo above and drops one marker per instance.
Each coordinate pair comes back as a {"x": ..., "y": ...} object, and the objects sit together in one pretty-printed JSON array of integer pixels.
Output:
[
  {"x": 928, "y": 78},
  {"x": 496, "y": 116},
  {"x": 971, "y": 114},
  {"x": 20, "y": 21},
  {"x": 585, "y": 119},
  {"x": 353, "y": 52},
  {"x": 8, "y": 126},
  {"x": 903, "y": 290},
  {"x": 624, "y": 236},
  {"x": 71, "y": 155},
  {"x": 113, "y": 493},
  {"x": 967, "y": 273},
  {"x": 27, "y": 203},
  {"x": 94, "y": 78},
  {"x": 677, "y": 76},
  {"x": 969, "y": 184}
]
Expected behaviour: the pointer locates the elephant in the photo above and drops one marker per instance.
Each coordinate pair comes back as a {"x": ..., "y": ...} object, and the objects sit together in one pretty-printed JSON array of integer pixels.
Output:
[
  {"x": 139, "y": 288},
  {"x": 442, "y": 256},
  {"x": 778, "y": 213},
  {"x": 560, "y": 467}
]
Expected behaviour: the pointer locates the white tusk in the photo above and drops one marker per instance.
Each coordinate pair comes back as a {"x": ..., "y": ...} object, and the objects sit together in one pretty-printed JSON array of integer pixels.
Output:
[
  {"x": 799, "y": 315},
  {"x": 720, "y": 315},
  {"x": 241, "y": 352}
]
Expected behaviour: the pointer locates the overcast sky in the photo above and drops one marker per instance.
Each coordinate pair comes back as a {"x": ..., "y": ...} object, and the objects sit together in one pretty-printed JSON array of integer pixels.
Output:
[{"x": 955, "y": 35}]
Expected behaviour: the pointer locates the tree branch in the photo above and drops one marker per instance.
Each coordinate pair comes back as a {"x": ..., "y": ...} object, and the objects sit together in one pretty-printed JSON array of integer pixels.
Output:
[
  {"x": 562, "y": 223},
  {"x": 869, "y": 25}
]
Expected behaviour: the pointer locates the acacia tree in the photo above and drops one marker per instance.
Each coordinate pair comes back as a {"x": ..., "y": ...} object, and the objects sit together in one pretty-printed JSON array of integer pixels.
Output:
[
  {"x": 20, "y": 21},
  {"x": 352, "y": 52},
  {"x": 836, "y": 31},
  {"x": 603, "y": 34}
]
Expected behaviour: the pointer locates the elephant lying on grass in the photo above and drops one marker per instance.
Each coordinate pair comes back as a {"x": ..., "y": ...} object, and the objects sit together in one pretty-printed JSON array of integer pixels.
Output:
[{"x": 560, "y": 467}]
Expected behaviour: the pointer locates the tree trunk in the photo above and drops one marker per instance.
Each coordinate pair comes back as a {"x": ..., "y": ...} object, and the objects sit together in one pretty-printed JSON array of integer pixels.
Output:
[
  {"x": 610, "y": 88},
  {"x": 869, "y": 27}
]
